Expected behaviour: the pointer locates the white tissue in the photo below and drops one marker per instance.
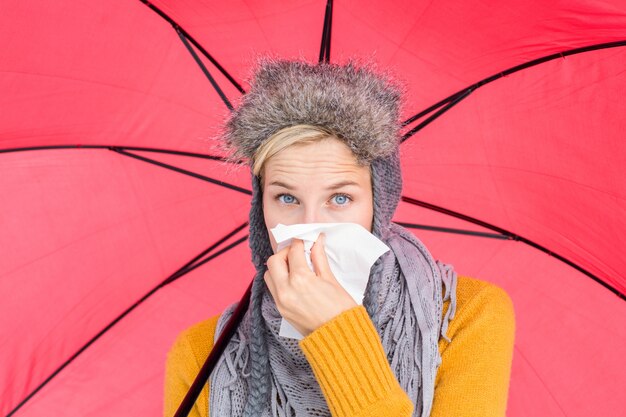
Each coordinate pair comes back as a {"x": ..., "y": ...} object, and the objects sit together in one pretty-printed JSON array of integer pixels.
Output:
[{"x": 351, "y": 251}]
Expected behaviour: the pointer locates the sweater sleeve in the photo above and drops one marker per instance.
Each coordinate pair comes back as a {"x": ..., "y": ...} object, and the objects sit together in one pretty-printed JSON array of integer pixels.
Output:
[
  {"x": 349, "y": 362},
  {"x": 473, "y": 379}
]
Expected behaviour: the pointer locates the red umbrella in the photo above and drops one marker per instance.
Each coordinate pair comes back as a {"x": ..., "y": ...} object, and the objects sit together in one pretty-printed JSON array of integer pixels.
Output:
[{"x": 121, "y": 226}]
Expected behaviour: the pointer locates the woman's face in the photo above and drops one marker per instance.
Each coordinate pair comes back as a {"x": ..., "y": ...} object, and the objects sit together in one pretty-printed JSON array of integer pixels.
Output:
[{"x": 317, "y": 182}]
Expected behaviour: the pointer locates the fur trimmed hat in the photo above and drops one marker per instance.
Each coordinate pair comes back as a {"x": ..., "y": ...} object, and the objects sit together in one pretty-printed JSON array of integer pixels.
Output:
[{"x": 356, "y": 103}]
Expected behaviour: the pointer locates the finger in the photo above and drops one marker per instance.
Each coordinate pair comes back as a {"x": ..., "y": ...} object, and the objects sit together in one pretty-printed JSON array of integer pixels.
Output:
[
  {"x": 278, "y": 268},
  {"x": 319, "y": 258},
  {"x": 296, "y": 258},
  {"x": 281, "y": 256}
]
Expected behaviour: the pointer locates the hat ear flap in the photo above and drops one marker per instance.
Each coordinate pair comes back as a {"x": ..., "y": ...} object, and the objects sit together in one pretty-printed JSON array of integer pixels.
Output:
[
  {"x": 386, "y": 190},
  {"x": 259, "y": 239}
]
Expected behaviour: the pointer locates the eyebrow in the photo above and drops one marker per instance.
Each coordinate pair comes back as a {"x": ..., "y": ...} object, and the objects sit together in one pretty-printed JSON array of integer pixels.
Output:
[{"x": 330, "y": 187}]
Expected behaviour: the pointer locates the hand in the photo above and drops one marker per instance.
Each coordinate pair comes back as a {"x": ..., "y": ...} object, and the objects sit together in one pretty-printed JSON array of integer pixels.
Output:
[{"x": 306, "y": 299}]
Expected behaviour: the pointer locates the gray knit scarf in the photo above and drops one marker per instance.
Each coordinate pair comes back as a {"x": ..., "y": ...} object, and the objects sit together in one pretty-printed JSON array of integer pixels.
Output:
[{"x": 264, "y": 374}]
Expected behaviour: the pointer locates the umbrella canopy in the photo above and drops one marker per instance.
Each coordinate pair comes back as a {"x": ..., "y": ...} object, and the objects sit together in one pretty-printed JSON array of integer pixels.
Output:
[{"x": 120, "y": 225}]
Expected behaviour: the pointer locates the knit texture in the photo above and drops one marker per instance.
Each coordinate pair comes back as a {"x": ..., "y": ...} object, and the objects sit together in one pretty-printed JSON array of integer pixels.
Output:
[{"x": 473, "y": 379}]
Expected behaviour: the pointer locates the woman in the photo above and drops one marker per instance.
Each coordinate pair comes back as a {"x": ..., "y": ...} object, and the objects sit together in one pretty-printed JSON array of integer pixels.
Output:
[{"x": 322, "y": 141}]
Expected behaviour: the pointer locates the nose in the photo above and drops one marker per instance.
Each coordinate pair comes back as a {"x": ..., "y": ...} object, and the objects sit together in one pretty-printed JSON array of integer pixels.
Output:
[{"x": 312, "y": 215}]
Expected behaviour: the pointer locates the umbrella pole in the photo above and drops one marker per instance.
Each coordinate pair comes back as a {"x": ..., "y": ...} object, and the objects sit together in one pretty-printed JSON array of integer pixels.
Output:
[{"x": 216, "y": 352}]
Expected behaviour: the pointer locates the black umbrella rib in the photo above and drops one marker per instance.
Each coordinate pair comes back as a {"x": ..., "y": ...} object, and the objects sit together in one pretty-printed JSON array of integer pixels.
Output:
[
  {"x": 454, "y": 99},
  {"x": 132, "y": 148},
  {"x": 453, "y": 230},
  {"x": 183, "y": 171},
  {"x": 181, "y": 271},
  {"x": 204, "y": 69},
  {"x": 190, "y": 266},
  {"x": 121, "y": 150},
  {"x": 513, "y": 236},
  {"x": 326, "y": 31},
  {"x": 195, "y": 43}
]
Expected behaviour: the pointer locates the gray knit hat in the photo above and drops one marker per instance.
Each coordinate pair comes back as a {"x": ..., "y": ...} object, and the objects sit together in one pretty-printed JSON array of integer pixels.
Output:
[{"x": 264, "y": 374}]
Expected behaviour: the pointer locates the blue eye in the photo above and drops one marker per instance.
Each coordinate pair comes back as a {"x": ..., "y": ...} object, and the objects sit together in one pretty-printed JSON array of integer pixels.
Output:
[
  {"x": 341, "y": 199},
  {"x": 286, "y": 198}
]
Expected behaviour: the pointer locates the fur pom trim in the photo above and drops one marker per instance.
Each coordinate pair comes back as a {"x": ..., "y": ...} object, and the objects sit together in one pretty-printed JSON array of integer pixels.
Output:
[{"x": 357, "y": 104}]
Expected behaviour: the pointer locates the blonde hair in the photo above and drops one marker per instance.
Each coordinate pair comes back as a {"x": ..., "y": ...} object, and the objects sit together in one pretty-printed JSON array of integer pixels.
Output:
[{"x": 288, "y": 136}]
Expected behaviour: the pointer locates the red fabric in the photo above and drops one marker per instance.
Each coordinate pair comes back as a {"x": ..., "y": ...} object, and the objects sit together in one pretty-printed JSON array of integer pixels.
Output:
[{"x": 88, "y": 232}]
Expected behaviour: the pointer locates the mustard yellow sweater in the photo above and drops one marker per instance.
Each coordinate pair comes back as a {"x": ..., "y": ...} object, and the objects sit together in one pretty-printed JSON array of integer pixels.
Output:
[{"x": 472, "y": 380}]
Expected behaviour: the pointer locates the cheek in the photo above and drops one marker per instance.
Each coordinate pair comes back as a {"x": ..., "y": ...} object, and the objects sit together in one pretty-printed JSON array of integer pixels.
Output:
[
  {"x": 366, "y": 216},
  {"x": 361, "y": 213},
  {"x": 366, "y": 213}
]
